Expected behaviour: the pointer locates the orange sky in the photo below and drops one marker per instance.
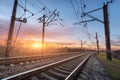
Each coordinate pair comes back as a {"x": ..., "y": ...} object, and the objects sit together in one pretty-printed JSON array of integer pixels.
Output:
[{"x": 62, "y": 32}]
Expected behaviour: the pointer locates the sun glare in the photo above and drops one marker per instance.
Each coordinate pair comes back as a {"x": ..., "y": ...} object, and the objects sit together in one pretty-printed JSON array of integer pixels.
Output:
[{"x": 35, "y": 45}]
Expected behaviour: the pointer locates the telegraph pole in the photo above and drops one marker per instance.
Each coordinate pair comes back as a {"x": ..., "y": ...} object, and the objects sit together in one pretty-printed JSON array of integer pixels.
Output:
[
  {"x": 43, "y": 33},
  {"x": 82, "y": 43},
  {"x": 97, "y": 41},
  {"x": 107, "y": 32},
  {"x": 106, "y": 26},
  {"x": 46, "y": 22},
  {"x": 10, "y": 34}
]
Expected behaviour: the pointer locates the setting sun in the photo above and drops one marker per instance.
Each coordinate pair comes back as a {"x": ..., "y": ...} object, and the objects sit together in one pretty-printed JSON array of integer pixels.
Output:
[{"x": 36, "y": 45}]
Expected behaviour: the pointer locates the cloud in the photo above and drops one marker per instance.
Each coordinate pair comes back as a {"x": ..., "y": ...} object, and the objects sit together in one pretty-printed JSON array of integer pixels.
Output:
[
  {"x": 28, "y": 30},
  {"x": 4, "y": 28},
  {"x": 115, "y": 42},
  {"x": 51, "y": 32}
]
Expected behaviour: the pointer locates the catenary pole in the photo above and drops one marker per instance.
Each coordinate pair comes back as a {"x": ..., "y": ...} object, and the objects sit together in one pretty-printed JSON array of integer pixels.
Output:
[
  {"x": 97, "y": 42},
  {"x": 107, "y": 32},
  {"x": 10, "y": 34}
]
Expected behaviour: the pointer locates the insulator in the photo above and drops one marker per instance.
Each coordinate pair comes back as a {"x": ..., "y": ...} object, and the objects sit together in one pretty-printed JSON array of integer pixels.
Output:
[{"x": 24, "y": 20}]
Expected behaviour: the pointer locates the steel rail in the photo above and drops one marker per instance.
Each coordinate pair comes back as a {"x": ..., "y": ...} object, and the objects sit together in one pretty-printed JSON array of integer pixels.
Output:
[
  {"x": 74, "y": 73},
  {"x": 26, "y": 74},
  {"x": 15, "y": 60}
]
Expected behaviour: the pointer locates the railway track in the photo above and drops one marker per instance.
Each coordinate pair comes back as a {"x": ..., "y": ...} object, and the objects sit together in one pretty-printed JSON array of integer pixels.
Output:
[
  {"x": 17, "y": 60},
  {"x": 65, "y": 69}
]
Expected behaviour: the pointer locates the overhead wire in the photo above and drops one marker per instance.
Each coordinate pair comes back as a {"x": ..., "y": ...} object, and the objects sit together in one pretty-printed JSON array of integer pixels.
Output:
[
  {"x": 17, "y": 34},
  {"x": 74, "y": 9},
  {"x": 35, "y": 13},
  {"x": 26, "y": 10},
  {"x": 34, "y": 5},
  {"x": 78, "y": 8},
  {"x": 44, "y": 5},
  {"x": 38, "y": 8},
  {"x": 82, "y": 12},
  {"x": 25, "y": 4},
  {"x": 77, "y": 11},
  {"x": 40, "y": 11}
]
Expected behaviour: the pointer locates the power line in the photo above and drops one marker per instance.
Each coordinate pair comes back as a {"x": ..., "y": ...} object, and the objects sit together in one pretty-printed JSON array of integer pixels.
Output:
[
  {"x": 10, "y": 34},
  {"x": 35, "y": 13},
  {"x": 34, "y": 5},
  {"x": 82, "y": 9},
  {"x": 17, "y": 34},
  {"x": 78, "y": 8},
  {"x": 74, "y": 9},
  {"x": 25, "y": 9},
  {"x": 44, "y": 5},
  {"x": 32, "y": 14}
]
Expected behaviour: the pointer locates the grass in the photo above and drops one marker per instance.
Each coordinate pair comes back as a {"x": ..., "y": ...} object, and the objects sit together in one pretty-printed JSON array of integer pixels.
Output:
[{"x": 113, "y": 67}]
